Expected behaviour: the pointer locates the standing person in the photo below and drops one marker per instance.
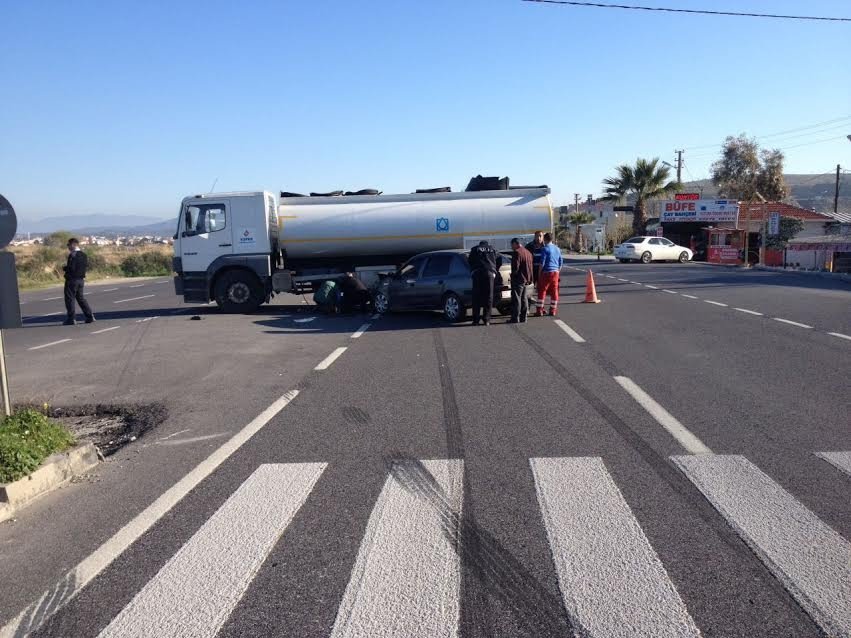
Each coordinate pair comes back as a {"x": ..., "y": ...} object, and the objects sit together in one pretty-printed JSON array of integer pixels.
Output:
[
  {"x": 521, "y": 277},
  {"x": 548, "y": 280},
  {"x": 535, "y": 247},
  {"x": 75, "y": 278},
  {"x": 483, "y": 269}
]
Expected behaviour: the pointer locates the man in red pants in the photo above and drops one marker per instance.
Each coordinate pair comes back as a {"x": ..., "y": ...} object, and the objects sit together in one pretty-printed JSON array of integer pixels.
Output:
[{"x": 548, "y": 279}]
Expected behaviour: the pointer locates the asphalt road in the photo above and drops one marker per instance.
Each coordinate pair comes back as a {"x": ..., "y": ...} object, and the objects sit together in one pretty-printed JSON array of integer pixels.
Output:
[{"x": 675, "y": 461}]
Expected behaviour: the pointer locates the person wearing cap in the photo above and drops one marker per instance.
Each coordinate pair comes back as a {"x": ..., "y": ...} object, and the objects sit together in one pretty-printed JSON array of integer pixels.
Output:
[
  {"x": 75, "y": 279},
  {"x": 548, "y": 280},
  {"x": 535, "y": 247},
  {"x": 521, "y": 277},
  {"x": 483, "y": 269}
]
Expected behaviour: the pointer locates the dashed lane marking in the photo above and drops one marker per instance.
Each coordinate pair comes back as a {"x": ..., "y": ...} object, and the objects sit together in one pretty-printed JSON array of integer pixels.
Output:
[
  {"x": 360, "y": 331},
  {"x": 651, "y": 287},
  {"x": 792, "y": 323},
  {"x": 97, "y": 332},
  {"x": 52, "y": 298},
  {"x": 689, "y": 296},
  {"x": 134, "y": 299},
  {"x": 749, "y": 312},
  {"x": 570, "y": 331},
  {"x": 331, "y": 358},
  {"x": 670, "y": 292},
  {"x": 31, "y": 618},
  {"x": 108, "y": 290},
  {"x": 676, "y": 429},
  {"x": 840, "y": 335},
  {"x": 716, "y": 303},
  {"x": 47, "y": 345},
  {"x": 136, "y": 285}
]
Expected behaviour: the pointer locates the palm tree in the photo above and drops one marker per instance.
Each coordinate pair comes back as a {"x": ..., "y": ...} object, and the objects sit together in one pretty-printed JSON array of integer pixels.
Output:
[
  {"x": 577, "y": 219},
  {"x": 645, "y": 181}
]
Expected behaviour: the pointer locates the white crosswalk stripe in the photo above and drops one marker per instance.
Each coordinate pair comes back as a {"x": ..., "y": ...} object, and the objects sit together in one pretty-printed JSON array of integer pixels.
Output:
[
  {"x": 840, "y": 460},
  {"x": 612, "y": 581},
  {"x": 195, "y": 592},
  {"x": 407, "y": 576},
  {"x": 806, "y": 555}
]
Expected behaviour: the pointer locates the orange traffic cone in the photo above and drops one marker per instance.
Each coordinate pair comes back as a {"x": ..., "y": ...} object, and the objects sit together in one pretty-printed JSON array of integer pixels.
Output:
[{"x": 590, "y": 289}]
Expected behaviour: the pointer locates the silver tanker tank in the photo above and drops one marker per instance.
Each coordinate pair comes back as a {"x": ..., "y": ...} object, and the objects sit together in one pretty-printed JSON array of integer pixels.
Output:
[{"x": 328, "y": 227}]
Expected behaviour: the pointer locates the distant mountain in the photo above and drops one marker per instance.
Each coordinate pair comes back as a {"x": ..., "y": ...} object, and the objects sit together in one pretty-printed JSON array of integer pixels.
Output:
[
  {"x": 807, "y": 191},
  {"x": 91, "y": 224}
]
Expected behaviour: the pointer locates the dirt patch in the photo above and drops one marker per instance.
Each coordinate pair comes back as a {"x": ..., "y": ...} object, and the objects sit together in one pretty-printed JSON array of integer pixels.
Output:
[{"x": 109, "y": 427}]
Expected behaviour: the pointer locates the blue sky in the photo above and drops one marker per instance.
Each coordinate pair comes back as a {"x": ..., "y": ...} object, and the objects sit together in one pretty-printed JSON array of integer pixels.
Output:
[{"x": 126, "y": 107}]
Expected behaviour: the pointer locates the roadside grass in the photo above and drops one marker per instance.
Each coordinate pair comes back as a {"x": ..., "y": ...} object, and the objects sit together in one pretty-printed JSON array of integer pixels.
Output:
[
  {"x": 26, "y": 439},
  {"x": 40, "y": 266}
]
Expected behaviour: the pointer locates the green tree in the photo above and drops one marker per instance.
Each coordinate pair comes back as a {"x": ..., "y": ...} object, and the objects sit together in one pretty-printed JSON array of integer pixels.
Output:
[
  {"x": 647, "y": 180},
  {"x": 789, "y": 227},
  {"x": 743, "y": 170}
]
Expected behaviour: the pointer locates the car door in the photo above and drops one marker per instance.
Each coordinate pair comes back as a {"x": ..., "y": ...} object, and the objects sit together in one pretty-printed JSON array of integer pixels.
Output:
[
  {"x": 403, "y": 286},
  {"x": 672, "y": 251},
  {"x": 429, "y": 288},
  {"x": 205, "y": 234},
  {"x": 657, "y": 248}
]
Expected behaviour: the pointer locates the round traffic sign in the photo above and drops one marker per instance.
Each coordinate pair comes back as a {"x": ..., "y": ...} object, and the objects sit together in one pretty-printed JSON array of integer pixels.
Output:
[{"x": 8, "y": 222}]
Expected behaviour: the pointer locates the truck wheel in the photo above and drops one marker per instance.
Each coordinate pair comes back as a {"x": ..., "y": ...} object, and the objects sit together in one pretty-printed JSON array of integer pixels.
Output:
[
  {"x": 239, "y": 292},
  {"x": 453, "y": 308}
]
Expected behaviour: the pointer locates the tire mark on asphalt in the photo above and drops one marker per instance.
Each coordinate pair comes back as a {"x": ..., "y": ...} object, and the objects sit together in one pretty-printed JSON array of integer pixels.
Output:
[
  {"x": 665, "y": 470},
  {"x": 488, "y": 568}
]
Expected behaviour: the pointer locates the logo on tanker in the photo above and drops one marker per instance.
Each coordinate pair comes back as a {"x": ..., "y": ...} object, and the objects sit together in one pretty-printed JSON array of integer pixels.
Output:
[{"x": 441, "y": 224}]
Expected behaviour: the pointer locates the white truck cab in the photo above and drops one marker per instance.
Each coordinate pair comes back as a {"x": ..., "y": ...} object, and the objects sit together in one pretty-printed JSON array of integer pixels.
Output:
[{"x": 224, "y": 249}]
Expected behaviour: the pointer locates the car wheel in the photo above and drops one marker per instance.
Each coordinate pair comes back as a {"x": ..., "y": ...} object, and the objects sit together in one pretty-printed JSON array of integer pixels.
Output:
[
  {"x": 646, "y": 258},
  {"x": 503, "y": 309},
  {"x": 381, "y": 303},
  {"x": 683, "y": 257},
  {"x": 239, "y": 291},
  {"x": 453, "y": 309}
]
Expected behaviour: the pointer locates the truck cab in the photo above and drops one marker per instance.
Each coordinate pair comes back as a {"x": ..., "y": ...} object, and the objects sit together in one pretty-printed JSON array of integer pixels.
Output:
[{"x": 226, "y": 248}]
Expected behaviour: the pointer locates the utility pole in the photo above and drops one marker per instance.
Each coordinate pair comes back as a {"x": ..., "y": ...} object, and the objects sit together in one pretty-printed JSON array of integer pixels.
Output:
[
  {"x": 576, "y": 203},
  {"x": 836, "y": 194},
  {"x": 679, "y": 166}
]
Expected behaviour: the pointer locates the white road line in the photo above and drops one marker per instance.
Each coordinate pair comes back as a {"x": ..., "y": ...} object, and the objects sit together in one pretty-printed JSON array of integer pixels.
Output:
[
  {"x": 792, "y": 323},
  {"x": 47, "y": 345},
  {"x": 840, "y": 335},
  {"x": 619, "y": 279},
  {"x": 108, "y": 290},
  {"x": 749, "y": 312},
  {"x": 134, "y": 299},
  {"x": 670, "y": 292},
  {"x": 610, "y": 577},
  {"x": 570, "y": 331},
  {"x": 52, "y": 298},
  {"x": 406, "y": 580},
  {"x": 715, "y": 303},
  {"x": 676, "y": 429},
  {"x": 805, "y": 554},
  {"x": 689, "y": 296},
  {"x": 97, "y": 332},
  {"x": 652, "y": 287},
  {"x": 637, "y": 283},
  {"x": 198, "y": 588},
  {"x": 165, "y": 281},
  {"x": 75, "y": 580},
  {"x": 840, "y": 460},
  {"x": 360, "y": 331},
  {"x": 331, "y": 358},
  {"x": 136, "y": 286}
]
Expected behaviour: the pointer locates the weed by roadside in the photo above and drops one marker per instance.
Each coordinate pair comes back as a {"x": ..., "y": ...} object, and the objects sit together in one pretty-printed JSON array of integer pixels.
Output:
[{"x": 26, "y": 439}]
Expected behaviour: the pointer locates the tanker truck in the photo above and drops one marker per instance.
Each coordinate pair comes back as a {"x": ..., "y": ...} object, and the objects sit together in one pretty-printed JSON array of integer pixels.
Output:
[{"x": 240, "y": 249}]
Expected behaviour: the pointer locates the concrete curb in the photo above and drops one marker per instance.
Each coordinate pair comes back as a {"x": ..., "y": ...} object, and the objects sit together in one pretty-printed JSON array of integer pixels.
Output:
[
  {"x": 56, "y": 470},
  {"x": 835, "y": 276}
]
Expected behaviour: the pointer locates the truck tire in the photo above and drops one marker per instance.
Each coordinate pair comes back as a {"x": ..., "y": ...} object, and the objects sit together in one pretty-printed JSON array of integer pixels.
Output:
[{"x": 239, "y": 291}]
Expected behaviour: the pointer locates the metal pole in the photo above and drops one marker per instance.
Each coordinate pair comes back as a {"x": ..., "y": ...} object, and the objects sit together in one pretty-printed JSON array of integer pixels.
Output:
[
  {"x": 4, "y": 380},
  {"x": 836, "y": 195}
]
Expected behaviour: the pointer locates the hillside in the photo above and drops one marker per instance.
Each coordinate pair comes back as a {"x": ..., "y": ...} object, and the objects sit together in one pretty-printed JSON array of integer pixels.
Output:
[
  {"x": 807, "y": 191},
  {"x": 94, "y": 224}
]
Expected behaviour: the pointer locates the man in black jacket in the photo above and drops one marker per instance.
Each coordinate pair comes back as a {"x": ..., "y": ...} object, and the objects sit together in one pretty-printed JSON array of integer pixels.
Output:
[
  {"x": 75, "y": 277},
  {"x": 483, "y": 269}
]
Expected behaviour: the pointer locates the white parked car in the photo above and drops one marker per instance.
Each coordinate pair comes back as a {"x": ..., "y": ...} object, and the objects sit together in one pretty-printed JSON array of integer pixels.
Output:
[{"x": 647, "y": 249}]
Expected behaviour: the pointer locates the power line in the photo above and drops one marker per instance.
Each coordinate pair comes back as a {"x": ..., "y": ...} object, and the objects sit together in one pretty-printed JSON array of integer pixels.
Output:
[
  {"x": 791, "y": 130},
  {"x": 601, "y": 5}
]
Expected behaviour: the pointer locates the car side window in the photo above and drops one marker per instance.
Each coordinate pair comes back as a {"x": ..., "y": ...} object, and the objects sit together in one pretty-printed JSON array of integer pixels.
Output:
[
  {"x": 656, "y": 242},
  {"x": 460, "y": 267},
  {"x": 411, "y": 270},
  {"x": 437, "y": 266},
  {"x": 667, "y": 242}
]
